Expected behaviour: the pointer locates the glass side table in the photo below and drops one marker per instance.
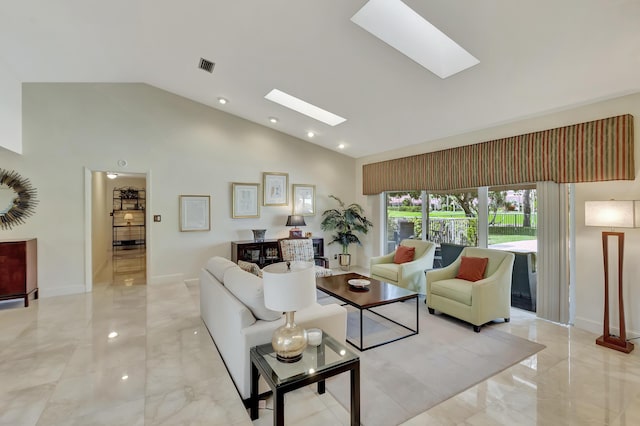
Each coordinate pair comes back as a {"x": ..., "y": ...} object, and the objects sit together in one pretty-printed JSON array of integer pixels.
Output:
[{"x": 318, "y": 363}]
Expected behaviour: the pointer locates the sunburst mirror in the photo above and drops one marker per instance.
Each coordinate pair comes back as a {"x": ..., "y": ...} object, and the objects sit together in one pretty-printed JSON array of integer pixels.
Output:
[{"x": 17, "y": 199}]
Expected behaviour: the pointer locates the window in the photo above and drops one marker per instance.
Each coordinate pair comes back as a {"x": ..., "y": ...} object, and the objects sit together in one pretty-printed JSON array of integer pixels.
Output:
[{"x": 513, "y": 219}]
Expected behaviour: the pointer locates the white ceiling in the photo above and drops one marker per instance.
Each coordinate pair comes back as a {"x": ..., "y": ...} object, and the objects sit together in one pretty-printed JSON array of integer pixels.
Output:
[{"x": 535, "y": 57}]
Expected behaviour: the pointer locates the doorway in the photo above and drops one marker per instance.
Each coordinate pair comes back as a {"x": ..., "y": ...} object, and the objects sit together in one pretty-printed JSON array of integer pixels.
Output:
[{"x": 117, "y": 233}]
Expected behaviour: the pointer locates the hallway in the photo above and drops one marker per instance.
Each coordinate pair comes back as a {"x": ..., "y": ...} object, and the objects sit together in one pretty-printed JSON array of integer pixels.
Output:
[{"x": 126, "y": 267}]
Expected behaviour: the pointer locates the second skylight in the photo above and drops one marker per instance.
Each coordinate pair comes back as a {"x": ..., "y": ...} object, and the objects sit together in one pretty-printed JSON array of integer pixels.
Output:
[{"x": 303, "y": 107}]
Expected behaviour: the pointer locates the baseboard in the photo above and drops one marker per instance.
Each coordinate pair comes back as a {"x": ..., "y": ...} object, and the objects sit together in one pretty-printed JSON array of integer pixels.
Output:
[
  {"x": 596, "y": 327},
  {"x": 60, "y": 291},
  {"x": 192, "y": 282},
  {"x": 166, "y": 279}
]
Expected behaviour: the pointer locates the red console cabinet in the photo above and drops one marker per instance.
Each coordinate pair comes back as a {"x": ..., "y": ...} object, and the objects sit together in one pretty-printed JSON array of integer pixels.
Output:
[{"x": 18, "y": 269}]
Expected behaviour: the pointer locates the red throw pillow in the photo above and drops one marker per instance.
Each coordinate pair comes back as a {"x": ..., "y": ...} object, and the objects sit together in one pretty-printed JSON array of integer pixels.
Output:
[
  {"x": 404, "y": 254},
  {"x": 472, "y": 268}
]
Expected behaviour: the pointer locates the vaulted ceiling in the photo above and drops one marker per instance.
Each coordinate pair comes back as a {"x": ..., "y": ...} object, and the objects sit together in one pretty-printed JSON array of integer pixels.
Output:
[{"x": 535, "y": 57}]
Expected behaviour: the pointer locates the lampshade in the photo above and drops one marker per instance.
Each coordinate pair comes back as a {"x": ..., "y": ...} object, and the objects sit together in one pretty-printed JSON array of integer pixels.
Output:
[
  {"x": 128, "y": 216},
  {"x": 289, "y": 289},
  {"x": 612, "y": 213},
  {"x": 295, "y": 220}
]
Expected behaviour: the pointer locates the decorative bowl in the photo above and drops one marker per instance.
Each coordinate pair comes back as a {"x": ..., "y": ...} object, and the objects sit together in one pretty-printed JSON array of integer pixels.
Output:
[{"x": 360, "y": 283}]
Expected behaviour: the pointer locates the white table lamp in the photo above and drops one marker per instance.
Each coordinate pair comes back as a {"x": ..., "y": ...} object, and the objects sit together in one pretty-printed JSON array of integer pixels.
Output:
[
  {"x": 128, "y": 217},
  {"x": 288, "y": 287}
]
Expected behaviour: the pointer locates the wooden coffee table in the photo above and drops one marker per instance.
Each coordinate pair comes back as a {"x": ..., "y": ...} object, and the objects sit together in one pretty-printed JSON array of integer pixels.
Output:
[{"x": 377, "y": 293}]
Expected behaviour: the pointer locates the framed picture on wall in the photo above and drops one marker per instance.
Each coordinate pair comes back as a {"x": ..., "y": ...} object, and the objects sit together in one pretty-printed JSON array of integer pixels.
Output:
[
  {"x": 245, "y": 200},
  {"x": 194, "y": 213},
  {"x": 304, "y": 199},
  {"x": 275, "y": 189}
]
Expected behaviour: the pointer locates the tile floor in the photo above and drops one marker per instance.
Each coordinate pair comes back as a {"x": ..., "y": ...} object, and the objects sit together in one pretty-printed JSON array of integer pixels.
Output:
[{"x": 58, "y": 366}]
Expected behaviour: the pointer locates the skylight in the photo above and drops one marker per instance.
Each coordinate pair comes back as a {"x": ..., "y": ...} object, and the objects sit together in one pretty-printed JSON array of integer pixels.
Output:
[
  {"x": 402, "y": 28},
  {"x": 303, "y": 107}
]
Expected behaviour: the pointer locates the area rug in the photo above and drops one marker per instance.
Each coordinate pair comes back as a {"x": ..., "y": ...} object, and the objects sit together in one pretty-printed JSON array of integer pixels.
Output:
[{"x": 405, "y": 378}]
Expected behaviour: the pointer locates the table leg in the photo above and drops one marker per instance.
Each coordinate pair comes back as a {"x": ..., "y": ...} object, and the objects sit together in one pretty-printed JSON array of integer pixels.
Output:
[
  {"x": 361, "y": 334},
  {"x": 254, "y": 392},
  {"x": 418, "y": 313},
  {"x": 320, "y": 357},
  {"x": 278, "y": 408},
  {"x": 355, "y": 395}
]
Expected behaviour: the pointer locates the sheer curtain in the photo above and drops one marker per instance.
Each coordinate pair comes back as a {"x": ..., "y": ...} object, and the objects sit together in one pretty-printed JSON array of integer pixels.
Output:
[{"x": 553, "y": 252}]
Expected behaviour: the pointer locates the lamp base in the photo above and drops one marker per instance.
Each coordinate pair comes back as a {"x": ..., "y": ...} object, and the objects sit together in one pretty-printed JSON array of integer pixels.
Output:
[
  {"x": 615, "y": 343},
  {"x": 289, "y": 360},
  {"x": 289, "y": 340}
]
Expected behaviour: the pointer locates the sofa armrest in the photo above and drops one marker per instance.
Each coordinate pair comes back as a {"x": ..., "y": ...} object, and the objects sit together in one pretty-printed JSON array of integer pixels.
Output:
[
  {"x": 321, "y": 261},
  {"x": 446, "y": 273},
  {"x": 495, "y": 288},
  {"x": 387, "y": 258}
]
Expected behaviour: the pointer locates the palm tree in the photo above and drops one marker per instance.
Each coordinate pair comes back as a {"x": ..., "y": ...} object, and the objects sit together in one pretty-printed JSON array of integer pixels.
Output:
[{"x": 346, "y": 221}]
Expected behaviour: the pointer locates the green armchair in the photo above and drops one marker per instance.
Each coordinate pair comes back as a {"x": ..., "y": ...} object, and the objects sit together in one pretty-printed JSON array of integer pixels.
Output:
[
  {"x": 475, "y": 302},
  {"x": 409, "y": 275}
]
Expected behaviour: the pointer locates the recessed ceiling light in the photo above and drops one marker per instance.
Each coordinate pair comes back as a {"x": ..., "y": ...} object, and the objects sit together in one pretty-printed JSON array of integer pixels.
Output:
[
  {"x": 303, "y": 107},
  {"x": 113, "y": 335},
  {"x": 125, "y": 376},
  {"x": 112, "y": 175},
  {"x": 273, "y": 120},
  {"x": 402, "y": 28},
  {"x": 222, "y": 101},
  {"x": 341, "y": 146},
  {"x": 311, "y": 134}
]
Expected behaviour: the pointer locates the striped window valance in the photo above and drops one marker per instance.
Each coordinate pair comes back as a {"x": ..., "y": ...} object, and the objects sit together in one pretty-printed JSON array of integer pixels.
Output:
[{"x": 599, "y": 150}]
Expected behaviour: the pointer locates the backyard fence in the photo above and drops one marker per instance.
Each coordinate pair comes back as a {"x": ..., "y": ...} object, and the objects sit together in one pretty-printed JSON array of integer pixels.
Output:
[{"x": 459, "y": 230}]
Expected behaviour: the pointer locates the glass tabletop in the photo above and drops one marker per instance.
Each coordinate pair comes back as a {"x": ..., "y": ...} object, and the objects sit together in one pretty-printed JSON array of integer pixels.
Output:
[{"x": 316, "y": 359}]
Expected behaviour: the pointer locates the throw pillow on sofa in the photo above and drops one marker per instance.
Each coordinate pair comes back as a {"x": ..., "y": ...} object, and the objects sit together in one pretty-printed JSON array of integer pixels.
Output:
[
  {"x": 472, "y": 268},
  {"x": 404, "y": 254},
  {"x": 250, "y": 267},
  {"x": 248, "y": 288}
]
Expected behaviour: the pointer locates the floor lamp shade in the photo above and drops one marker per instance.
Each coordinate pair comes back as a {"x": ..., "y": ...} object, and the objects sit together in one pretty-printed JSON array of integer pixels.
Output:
[
  {"x": 613, "y": 214},
  {"x": 289, "y": 287}
]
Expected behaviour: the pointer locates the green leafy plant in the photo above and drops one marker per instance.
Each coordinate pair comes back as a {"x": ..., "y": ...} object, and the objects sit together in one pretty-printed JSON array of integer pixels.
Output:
[{"x": 347, "y": 221}]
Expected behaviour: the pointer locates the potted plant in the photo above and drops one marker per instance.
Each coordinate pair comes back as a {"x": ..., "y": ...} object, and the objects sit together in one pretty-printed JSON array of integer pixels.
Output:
[{"x": 347, "y": 221}]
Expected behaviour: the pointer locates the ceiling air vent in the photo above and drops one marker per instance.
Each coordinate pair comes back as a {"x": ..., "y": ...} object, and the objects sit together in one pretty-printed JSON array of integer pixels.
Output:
[{"x": 206, "y": 65}]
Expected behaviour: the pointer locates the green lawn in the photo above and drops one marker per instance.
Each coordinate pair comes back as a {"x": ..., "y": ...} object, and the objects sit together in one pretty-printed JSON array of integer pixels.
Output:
[{"x": 499, "y": 239}]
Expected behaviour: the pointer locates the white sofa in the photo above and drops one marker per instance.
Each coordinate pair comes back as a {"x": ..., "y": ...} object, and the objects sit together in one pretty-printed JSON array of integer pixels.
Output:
[{"x": 232, "y": 308}]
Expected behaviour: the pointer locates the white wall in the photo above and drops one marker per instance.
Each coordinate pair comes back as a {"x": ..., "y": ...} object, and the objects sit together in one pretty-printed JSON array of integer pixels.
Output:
[
  {"x": 10, "y": 110},
  {"x": 188, "y": 148},
  {"x": 589, "y": 265}
]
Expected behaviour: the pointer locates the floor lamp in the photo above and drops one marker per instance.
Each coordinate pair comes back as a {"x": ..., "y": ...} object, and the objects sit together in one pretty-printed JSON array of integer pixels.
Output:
[{"x": 613, "y": 214}]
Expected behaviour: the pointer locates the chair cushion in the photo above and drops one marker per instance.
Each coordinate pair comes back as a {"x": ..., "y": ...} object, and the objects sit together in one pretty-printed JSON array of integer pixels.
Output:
[
  {"x": 453, "y": 289},
  {"x": 248, "y": 289},
  {"x": 472, "y": 268},
  {"x": 404, "y": 254},
  {"x": 297, "y": 249},
  {"x": 322, "y": 272},
  {"x": 387, "y": 271}
]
